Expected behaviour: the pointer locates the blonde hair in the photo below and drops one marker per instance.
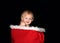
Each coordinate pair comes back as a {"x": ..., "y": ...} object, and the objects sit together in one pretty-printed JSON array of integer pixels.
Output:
[{"x": 28, "y": 12}]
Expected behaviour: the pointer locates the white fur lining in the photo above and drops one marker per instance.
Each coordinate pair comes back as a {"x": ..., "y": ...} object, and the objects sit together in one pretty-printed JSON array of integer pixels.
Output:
[{"x": 27, "y": 28}]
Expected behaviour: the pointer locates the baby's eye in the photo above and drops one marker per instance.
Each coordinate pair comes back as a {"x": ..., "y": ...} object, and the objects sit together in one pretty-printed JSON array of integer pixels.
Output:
[
  {"x": 30, "y": 18},
  {"x": 26, "y": 18}
]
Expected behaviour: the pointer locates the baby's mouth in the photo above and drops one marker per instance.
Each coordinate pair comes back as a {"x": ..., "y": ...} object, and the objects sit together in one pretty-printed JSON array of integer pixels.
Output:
[{"x": 27, "y": 22}]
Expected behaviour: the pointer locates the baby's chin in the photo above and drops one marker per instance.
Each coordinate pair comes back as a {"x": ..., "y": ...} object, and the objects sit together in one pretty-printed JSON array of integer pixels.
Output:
[{"x": 27, "y": 23}]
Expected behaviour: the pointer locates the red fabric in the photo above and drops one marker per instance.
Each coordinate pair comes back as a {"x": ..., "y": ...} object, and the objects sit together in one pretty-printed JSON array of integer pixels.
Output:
[{"x": 26, "y": 36}]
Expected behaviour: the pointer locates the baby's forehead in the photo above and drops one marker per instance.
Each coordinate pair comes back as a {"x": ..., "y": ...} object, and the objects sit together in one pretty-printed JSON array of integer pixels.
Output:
[{"x": 27, "y": 14}]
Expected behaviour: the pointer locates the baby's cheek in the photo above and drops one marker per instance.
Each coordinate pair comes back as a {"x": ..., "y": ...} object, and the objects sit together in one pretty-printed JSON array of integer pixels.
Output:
[{"x": 30, "y": 21}]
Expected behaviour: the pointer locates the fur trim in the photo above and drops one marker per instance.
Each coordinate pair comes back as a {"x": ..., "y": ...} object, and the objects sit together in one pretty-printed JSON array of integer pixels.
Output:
[{"x": 27, "y": 28}]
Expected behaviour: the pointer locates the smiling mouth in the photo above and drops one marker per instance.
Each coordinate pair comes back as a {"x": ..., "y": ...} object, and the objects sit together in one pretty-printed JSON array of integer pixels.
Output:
[{"x": 27, "y": 22}]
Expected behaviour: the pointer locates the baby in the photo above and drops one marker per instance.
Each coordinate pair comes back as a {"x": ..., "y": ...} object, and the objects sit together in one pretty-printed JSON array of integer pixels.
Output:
[
  {"x": 26, "y": 18},
  {"x": 23, "y": 33}
]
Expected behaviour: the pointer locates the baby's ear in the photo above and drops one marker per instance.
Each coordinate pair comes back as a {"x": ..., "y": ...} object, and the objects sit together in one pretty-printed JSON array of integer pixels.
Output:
[{"x": 21, "y": 17}]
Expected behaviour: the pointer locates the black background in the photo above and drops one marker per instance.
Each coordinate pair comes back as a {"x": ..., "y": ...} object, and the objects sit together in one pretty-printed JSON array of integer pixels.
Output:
[{"x": 10, "y": 14}]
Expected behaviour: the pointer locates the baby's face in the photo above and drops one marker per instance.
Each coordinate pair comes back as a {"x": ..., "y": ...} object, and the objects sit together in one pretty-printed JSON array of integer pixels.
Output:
[{"x": 27, "y": 19}]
